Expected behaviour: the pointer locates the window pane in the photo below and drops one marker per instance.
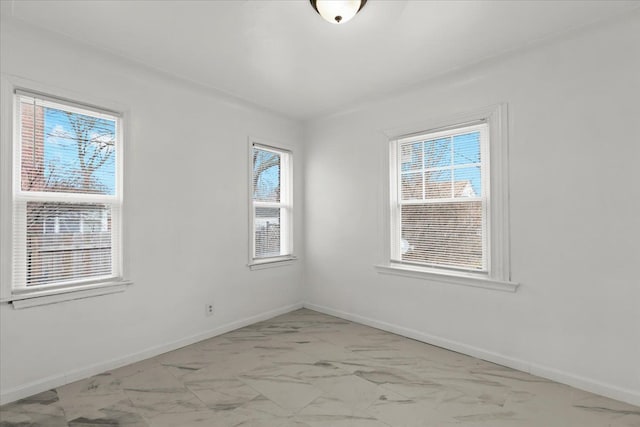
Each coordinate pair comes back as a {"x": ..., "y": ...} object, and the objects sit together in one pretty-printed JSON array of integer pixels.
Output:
[
  {"x": 437, "y": 153},
  {"x": 267, "y": 232},
  {"x": 466, "y": 148},
  {"x": 64, "y": 151},
  {"x": 438, "y": 184},
  {"x": 411, "y": 186},
  {"x": 67, "y": 242},
  {"x": 411, "y": 156},
  {"x": 443, "y": 234},
  {"x": 467, "y": 182},
  {"x": 266, "y": 176}
]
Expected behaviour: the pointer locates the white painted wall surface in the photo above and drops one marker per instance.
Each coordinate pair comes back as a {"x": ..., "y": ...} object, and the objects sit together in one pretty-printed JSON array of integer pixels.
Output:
[
  {"x": 575, "y": 214},
  {"x": 186, "y": 215}
]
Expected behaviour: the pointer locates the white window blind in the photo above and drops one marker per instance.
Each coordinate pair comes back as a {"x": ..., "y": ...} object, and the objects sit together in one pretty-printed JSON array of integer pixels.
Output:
[
  {"x": 271, "y": 202},
  {"x": 66, "y": 197},
  {"x": 440, "y": 199}
]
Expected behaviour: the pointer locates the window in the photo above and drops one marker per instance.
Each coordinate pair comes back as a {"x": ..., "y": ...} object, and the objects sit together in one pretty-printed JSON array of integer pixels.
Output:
[
  {"x": 440, "y": 215},
  {"x": 448, "y": 213},
  {"x": 66, "y": 196},
  {"x": 271, "y": 205}
]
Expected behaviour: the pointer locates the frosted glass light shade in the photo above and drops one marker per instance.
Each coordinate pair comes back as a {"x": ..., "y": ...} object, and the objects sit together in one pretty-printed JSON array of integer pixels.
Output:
[{"x": 337, "y": 11}]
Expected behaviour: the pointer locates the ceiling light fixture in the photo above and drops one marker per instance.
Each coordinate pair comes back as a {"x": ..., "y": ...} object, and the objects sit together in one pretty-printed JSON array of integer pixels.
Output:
[{"x": 338, "y": 11}]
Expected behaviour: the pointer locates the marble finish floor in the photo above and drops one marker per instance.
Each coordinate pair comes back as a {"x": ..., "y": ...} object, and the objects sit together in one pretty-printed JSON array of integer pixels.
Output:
[{"x": 306, "y": 369}]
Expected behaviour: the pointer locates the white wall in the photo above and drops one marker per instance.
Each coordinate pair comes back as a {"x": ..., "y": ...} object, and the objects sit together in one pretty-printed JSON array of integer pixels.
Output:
[
  {"x": 186, "y": 217},
  {"x": 575, "y": 207}
]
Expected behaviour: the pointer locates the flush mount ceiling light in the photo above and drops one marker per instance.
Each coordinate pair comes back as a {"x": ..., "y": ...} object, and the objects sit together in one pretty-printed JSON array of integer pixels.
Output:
[{"x": 338, "y": 11}]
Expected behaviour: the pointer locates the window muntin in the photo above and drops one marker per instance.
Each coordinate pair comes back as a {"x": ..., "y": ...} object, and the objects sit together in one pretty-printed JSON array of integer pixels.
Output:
[
  {"x": 67, "y": 195},
  {"x": 271, "y": 200},
  {"x": 440, "y": 201}
]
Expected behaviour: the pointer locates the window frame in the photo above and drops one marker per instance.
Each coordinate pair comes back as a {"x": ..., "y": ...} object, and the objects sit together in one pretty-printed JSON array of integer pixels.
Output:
[
  {"x": 28, "y": 296},
  {"x": 286, "y": 203},
  {"x": 498, "y": 275}
]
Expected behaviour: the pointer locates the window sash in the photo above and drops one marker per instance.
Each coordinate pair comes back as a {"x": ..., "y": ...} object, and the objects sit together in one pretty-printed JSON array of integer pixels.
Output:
[
  {"x": 397, "y": 203},
  {"x": 74, "y": 107},
  {"x": 21, "y": 198}
]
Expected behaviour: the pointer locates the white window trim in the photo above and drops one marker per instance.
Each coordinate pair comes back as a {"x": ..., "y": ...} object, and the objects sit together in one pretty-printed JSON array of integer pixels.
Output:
[
  {"x": 48, "y": 294},
  {"x": 286, "y": 186},
  {"x": 499, "y": 274}
]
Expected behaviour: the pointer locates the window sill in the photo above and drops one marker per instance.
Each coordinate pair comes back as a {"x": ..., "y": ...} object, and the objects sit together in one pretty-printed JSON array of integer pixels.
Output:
[
  {"x": 448, "y": 277},
  {"x": 271, "y": 262},
  {"x": 33, "y": 298}
]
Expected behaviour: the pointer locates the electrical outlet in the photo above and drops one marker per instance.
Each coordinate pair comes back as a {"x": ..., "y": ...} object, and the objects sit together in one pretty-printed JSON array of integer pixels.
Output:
[{"x": 208, "y": 309}]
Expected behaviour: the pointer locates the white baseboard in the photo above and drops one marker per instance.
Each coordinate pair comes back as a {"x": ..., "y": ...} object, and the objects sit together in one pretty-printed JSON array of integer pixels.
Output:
[
  {"x": 58, "y": 380},
  {"x": 625, "y": 395}
]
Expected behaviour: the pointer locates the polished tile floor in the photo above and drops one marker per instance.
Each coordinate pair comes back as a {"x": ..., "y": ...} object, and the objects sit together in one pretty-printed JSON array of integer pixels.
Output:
[{"x": 306, "y": 369}]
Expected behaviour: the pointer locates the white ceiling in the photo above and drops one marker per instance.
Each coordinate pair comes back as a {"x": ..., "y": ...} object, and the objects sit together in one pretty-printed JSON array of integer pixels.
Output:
[{"x": 283, "y": 56}]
